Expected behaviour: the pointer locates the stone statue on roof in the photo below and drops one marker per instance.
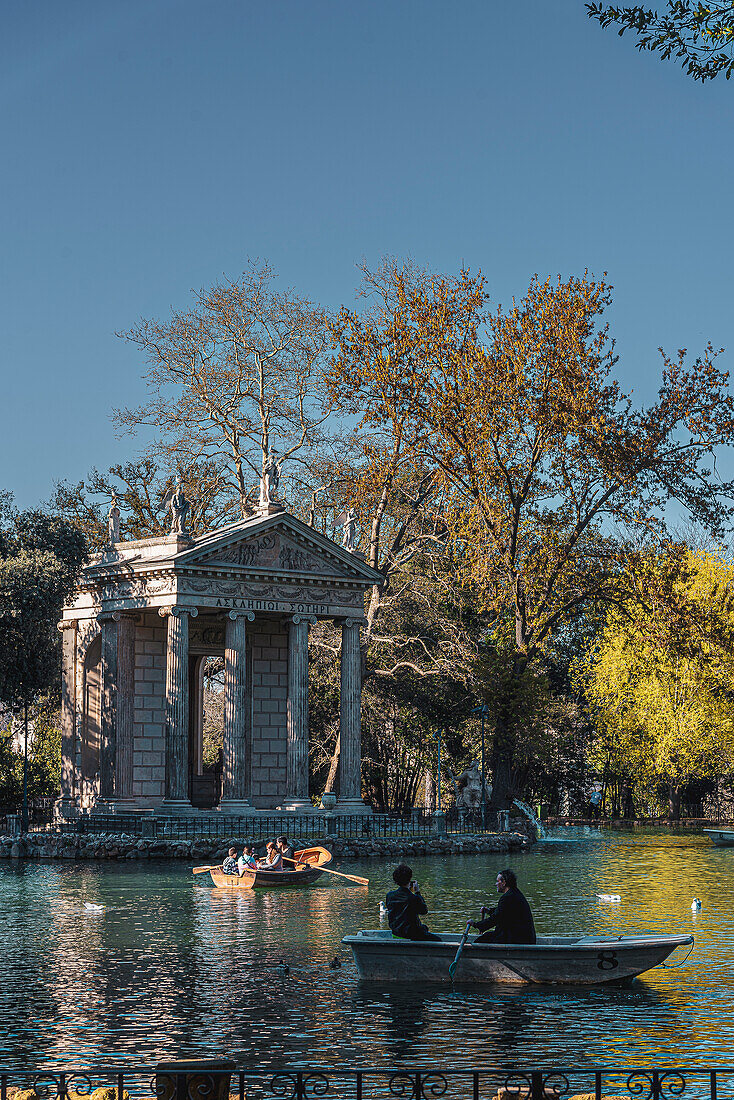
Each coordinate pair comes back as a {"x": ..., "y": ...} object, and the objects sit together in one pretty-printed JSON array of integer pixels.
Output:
[
  {"x": 179, "y": 506},
  {"x": 270, "y": 478},
  {"x": 113, "y": 522},
  {"x": 348, "y": 521}
]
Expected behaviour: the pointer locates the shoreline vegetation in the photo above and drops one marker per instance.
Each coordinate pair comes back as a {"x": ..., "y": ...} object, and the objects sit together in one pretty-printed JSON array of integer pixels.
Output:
[{"x": 123, "y": 846}]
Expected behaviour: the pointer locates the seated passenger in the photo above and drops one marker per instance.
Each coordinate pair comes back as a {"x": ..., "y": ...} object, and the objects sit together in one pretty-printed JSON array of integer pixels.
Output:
[
  {"x": 230, "y": 863},
  {"x": 247, "y": 861},
  {"x": 285, "y": 849},
  {"x": 273, "y": 860},
  {"x": 511, "y": 919},
  {"x": 404, "y": 906}
]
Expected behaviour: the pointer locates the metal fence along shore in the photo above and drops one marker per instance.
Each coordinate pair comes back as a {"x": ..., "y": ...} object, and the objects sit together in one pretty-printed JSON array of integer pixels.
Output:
[{"x": 213, "y": 1080}]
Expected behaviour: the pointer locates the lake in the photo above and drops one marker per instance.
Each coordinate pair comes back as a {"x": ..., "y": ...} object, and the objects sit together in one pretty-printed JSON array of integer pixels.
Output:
[{"x": 173, "y": 968}]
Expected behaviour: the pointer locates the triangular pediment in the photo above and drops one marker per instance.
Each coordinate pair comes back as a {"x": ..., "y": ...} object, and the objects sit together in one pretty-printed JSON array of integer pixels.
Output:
[{"x": 277, "y": 544}]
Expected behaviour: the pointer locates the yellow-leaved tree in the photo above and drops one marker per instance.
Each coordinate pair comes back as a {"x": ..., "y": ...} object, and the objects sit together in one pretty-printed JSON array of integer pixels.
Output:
[{"x": 661, "y": 678}]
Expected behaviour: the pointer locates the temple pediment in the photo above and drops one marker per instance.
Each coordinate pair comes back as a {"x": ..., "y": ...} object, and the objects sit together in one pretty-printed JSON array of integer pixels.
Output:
[{"x": 275, "y": 545}]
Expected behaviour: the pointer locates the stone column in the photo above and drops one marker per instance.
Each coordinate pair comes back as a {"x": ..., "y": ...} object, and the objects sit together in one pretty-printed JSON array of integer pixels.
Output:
[
  {"x": 236, "y": 775},
  {"x": 350, "y": 720},
  {"x": 177, "y": 708},
  {"x": 297, "y": 758},
  {"x": 125, "y": 705},
  {"x": 108, "y": 710},
  {"x": 66, "y": 805}
]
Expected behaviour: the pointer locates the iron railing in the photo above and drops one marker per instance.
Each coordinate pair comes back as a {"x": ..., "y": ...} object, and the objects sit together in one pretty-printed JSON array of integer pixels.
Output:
[
  {"x": 210, "y": 826},
  {"x": 212, "y": 1081}
]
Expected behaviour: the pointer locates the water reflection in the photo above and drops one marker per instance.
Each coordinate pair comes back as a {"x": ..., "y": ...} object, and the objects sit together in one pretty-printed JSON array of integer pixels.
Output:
[{"x": 172, "y": 967}]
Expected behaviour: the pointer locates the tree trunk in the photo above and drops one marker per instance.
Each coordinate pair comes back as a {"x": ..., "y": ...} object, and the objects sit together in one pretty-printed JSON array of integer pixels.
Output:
[
  {"x": 24, "y": 819},
  {"x": 429, "y": 793},
  {"x": 333, "y": 767},
  {"x": 673, "y": 802}
]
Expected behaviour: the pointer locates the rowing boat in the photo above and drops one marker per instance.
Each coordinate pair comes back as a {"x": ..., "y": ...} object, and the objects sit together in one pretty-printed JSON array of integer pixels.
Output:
[
  {"x": 553, "y": 960},
  {"x": 313, "y": 860},
  {"x": 722, "y": 838}
]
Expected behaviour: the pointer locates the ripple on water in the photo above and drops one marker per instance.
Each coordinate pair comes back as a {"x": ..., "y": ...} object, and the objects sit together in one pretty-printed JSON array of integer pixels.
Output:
[{"x": 172, "y": 967}]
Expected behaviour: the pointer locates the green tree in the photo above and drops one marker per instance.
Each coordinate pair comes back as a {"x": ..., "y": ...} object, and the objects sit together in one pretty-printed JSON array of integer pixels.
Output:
[
  {"x": 700, "y": 33},
  {"x": 661, "y": 677},
  {"x": 40, "y": 557}
]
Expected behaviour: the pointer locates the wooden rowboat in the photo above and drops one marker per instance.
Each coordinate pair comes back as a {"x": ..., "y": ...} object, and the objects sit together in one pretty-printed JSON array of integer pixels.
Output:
[
  {"x": 553, "y": 960},
  {"x": 314, "y": 860}
]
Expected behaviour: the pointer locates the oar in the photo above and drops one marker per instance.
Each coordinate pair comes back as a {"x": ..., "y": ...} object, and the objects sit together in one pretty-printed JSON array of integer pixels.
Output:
[
  {"x": 457, "y": 956},
  {"x": 300, "y": 863},
  {"x": 201, "y": 870}
]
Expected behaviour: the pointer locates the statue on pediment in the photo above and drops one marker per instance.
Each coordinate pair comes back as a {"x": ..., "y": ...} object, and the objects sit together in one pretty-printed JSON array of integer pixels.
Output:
[
  {"x": 270, "y": 478},
  {"x": 176, "y": 501},
  {"x": 113, "y": 522},
  {"x": 348, "y": 521}
]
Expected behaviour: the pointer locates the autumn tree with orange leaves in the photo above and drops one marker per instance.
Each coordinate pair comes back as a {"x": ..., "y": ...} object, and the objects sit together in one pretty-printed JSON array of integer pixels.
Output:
[{"x": 549, "y": 476}]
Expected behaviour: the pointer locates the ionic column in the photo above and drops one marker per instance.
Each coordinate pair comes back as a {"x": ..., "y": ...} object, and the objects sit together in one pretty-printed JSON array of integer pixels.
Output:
[
  {"x": 177, "y": 707},
  {"x": 67, "y": 802},
  {"x": 350, "y": 720},
  {"x": 236, "y": 774},
  {"x": 125, "y": 705},
  {"x": 108, "y": 708},
  {"x": 297, "y": 749}
]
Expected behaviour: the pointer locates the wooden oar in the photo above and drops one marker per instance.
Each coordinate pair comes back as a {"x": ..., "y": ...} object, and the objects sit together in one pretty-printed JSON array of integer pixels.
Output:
[
  {"x": 457, "y": 956},
  {"x": 302, "y": 863},
  {"x": 201, "y": 870}
]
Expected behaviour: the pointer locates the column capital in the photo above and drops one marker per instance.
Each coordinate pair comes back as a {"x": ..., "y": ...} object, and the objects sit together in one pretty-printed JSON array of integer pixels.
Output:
[
  {"x": 353, "y": 620},
  {"x": 67, "y": 624},
  {"x": 177, "y": 609},
  {"x": 234, "y": 615},
  {"x": 308, "y": 619}
]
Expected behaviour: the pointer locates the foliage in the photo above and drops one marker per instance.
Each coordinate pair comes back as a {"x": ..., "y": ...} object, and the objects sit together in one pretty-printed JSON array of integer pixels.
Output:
[
  {"x": 539, "y": 451},
  {"x": 698, "y": 32},
  {"x": 231, "y": 377},
  {"x": 44, "y": 757},
  {"x": 661, "y": 676}
]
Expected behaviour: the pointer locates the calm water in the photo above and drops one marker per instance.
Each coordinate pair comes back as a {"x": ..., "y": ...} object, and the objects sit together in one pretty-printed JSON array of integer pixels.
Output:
[{"x": 175, "y": 968}]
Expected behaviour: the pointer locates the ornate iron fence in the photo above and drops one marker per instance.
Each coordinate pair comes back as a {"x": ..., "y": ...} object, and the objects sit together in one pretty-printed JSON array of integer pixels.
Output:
[{"x": 213, "y": 1080}]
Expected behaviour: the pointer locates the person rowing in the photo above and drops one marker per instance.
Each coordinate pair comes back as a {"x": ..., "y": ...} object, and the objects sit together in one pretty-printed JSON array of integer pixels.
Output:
[
  {"x": 285, "y": 849},
  {"x": 230, "y": 863},
  {"x": 511, "y": 918}
]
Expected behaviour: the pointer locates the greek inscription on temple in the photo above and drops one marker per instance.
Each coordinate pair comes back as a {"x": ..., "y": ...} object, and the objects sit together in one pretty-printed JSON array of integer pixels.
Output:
[{"x": 274, "y": 605}]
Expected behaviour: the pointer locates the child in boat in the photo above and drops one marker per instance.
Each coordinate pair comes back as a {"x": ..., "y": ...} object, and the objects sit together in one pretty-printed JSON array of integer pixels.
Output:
[
  {"x": 273, "y": 860},
  {"x": 247, "y": 861},
  {"x": 405, "y": 905},
  {"x": 230, "y": 863}
]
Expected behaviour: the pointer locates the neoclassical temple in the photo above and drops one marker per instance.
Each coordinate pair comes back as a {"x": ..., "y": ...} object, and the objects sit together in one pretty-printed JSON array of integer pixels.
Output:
[{"x": 146, "y": 616}]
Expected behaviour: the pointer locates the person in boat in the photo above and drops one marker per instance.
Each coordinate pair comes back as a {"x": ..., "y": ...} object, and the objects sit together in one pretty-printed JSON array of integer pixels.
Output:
[
  {"x": 511, "y": 918},
  {"x": 247, "y": 861},
  {"x": 405, "y": 905},
  {"x": 230, "y": 863},
  {"x": 285, "y": 849},
  {"x": 273, "y": 860}
]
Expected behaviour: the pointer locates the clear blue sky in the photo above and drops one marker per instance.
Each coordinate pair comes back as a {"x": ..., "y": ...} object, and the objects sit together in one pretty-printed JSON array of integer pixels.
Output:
[{"x": 150, "y": 145}]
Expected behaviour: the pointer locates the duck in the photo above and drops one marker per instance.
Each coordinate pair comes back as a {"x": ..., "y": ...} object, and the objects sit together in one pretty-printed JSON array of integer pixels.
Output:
[
  {"x": 92, "y": 908},
  {"x": 383, "y": 909},
  {"x": 282, "y": 969},
  {"x": 335, "y": 963},
  {"x": 608, "y": 897},
  {"x": 695, "y": 904}
]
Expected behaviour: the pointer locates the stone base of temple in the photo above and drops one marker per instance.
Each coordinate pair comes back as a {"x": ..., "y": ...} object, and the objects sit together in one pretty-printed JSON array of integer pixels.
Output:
[
  {"x": 240, "y": 807},
  {"x": 177, "y": 806},
  {"x": 65, "y": 809},
  {"x": 296, "y": 806},
  {"x": 349, "y": 806}
]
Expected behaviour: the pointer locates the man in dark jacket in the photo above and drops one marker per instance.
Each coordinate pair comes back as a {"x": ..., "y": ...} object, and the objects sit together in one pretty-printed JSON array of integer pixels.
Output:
[
  {"x": 511, "y": 919},
  {"x": 405, "y": 905}
]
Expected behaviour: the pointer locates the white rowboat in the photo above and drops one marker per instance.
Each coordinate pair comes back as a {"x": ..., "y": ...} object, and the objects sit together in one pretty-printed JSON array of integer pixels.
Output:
[
  {"x": 722, "y": 838},
  {"x": 553, "y": 960}
]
